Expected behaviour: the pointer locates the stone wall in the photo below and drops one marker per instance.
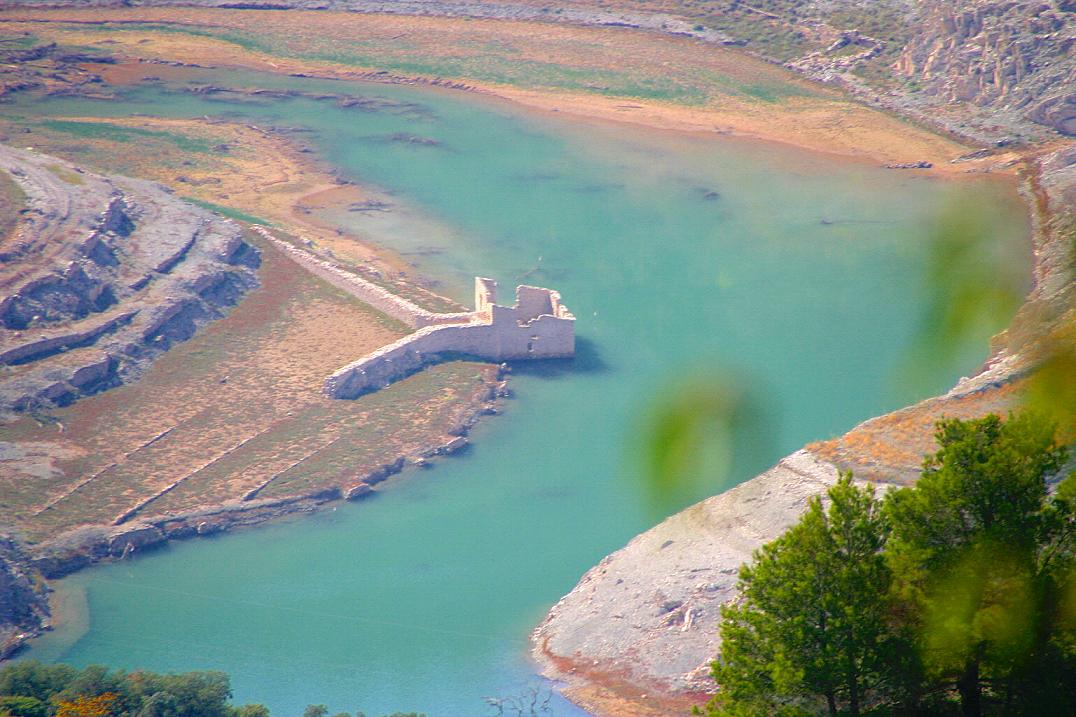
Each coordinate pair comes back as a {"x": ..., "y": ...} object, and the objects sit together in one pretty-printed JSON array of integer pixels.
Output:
[
  {"x": 538, "y": 326},
  {"x": 545, "y": 337},
  {"x": 366, "y": 291}
]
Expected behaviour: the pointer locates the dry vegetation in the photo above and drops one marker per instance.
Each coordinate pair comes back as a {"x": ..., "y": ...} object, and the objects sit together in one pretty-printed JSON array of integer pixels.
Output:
[
  {"x": 11, "y": 203},
  {"x": 237, "y": 407},
  {"x": 890, "y": 448},
  {"x": 671, "y": 82}
]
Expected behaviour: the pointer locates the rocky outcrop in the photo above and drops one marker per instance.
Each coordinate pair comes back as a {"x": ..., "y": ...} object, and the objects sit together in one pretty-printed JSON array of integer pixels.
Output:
[
  {"x": 100, "y": 275},
  {"x": 1008, "y": 56},
  {"x": 23, "y": 604},
  {"x": 647, "y": 612}
]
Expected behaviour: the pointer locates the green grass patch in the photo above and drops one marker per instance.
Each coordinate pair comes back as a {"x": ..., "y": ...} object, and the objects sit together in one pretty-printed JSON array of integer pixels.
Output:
[
  {"x": 65, "y": 174},
  {"x": 19, "y": 43},
  {"x": 494, "y": 62},
  {"x": 121, "y": 133},
  {"x": 228, "y": 211},
  {"x": 773, "y": 92},
  {"x": 498, "y": 66},
  {"x": 12, "y": 200},
  {"x": 523, "y": 73},
  {"x": 764, "y": 91},
  {"x": 248, "y": 42}
]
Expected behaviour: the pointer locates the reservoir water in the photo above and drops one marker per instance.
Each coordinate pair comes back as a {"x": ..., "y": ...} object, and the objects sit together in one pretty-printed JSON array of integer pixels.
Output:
[{"x": 680, "y": 255}]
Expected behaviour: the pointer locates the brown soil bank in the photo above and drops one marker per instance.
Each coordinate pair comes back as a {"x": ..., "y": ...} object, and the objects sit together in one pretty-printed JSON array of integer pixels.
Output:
[
  {"x": 234, "y": 415},
  {"x": 673, "y": 82}
]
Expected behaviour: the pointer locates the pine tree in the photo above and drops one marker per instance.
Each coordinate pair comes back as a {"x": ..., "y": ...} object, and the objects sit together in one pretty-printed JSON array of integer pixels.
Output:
[
  {"x": 810, "y": 628},
  {"x": 981, "y": 554}
]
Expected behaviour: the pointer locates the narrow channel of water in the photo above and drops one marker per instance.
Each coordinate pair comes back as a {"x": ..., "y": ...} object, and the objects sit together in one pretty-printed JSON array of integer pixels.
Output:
[{"x": 678, "y": 255}]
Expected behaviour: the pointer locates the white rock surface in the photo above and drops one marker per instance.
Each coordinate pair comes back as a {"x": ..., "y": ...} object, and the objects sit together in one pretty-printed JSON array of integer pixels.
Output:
[{"x": 649, "y": 612}]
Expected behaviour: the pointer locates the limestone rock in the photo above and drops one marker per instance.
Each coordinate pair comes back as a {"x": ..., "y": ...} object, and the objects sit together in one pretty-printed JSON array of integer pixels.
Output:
[{"x": 649, "y": 612}]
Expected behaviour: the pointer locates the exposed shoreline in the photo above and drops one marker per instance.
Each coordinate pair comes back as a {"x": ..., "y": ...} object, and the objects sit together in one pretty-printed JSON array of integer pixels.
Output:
[
  {"x": 80, "y": 547},
  {"x": 594, "y": 693},
  {"x": 860, "y": 131}
]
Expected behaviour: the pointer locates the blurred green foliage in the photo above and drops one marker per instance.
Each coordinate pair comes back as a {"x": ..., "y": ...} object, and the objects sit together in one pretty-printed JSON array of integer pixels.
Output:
[
  {"x": 973, "y": 285},
  {"x": 694, "y": 435},
  {"x": 982, "y": 553},
  {"x": 1052, "y": 388}
]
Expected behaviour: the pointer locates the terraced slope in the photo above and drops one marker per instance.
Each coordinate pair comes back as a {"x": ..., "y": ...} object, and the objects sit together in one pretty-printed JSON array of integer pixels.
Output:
[{"x": 99, "y": 275}]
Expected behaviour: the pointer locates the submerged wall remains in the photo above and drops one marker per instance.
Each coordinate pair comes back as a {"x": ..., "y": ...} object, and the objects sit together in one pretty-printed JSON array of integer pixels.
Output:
[{"x": 536, "y": 326}]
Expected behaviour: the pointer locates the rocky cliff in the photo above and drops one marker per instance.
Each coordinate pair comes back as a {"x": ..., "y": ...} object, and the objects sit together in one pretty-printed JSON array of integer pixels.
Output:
[
  {"x": 1011, "y": 58},
  {"x": 23, "y": 604}
]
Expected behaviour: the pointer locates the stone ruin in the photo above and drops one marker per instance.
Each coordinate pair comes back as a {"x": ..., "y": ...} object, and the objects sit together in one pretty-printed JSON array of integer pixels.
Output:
[{"x": 536, "y": 326}]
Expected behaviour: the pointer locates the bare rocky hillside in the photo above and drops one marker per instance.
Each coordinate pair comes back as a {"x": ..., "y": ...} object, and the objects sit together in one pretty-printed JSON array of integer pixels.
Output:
[
  {"x": 100, "y": 274},
  {"x": 1014, "y": 59}
]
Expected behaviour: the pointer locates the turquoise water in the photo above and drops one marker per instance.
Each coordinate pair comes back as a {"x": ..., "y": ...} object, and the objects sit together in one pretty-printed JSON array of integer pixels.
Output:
[{"x": 680, "y": 256}]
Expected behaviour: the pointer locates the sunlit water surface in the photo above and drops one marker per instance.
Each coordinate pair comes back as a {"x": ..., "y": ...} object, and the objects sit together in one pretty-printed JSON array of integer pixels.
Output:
[{"x": 680, "y": 256}]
